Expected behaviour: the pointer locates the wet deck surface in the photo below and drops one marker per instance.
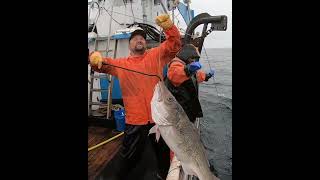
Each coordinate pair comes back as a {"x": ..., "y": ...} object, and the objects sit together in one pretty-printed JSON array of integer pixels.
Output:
[{"x": 99, "y": 157}]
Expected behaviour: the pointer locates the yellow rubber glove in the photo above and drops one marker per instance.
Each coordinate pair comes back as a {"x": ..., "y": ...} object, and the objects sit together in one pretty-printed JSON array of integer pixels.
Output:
[
  {"x": 96, "y": 59},
  {"x": 164, "y": 21}
]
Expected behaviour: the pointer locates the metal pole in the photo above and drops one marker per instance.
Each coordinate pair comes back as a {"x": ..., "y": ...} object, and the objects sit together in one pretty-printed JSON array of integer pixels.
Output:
[
  {"x": 144, "y": 16},
  {"x": 189, "y": 11},
  {"x": 90, "y": 91},
  {"x": 163, "y": 7},
  {"x": 92, "y": 81},
  {"x": 111, "y": 80},
  {"x": 110, "y": 23}
]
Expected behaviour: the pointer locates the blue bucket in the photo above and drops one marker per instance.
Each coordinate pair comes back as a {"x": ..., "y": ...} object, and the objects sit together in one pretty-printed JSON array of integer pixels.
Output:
[{"x": 119, "y": 116}]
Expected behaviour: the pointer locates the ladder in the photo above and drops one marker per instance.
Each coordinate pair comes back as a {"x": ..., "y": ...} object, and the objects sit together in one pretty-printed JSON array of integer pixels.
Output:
[{"x": 110, "y": 87}]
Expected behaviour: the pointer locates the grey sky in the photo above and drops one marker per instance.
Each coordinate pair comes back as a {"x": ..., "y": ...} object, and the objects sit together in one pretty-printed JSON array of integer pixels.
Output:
[{"x": 217, "y": 39}]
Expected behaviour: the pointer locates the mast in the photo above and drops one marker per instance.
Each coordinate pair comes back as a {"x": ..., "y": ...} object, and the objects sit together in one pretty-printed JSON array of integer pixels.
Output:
[
  {"x": 144, "y": 11},
  {"x": 189, "y": 10}
]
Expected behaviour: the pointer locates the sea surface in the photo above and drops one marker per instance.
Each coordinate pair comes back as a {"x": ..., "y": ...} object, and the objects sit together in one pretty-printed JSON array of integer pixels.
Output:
[{"x": 216, "y": 101}]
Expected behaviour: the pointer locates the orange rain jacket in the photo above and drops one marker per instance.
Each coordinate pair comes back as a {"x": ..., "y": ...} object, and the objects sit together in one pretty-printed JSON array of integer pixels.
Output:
[
  {"x": 177, "y": 75},
  {"x": 137, "y": 89}
]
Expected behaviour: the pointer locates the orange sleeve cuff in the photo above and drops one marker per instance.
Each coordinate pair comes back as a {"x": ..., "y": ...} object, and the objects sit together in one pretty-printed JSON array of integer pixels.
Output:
[
  {"x": 201, "y": 76},
  {"x": 107, "y": 69},
  {"x": 176, "y": 73},
  {"x": 170, "y": 47}
]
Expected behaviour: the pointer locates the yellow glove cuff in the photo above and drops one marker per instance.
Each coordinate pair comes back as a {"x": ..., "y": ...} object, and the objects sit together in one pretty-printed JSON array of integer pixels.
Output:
[
  {"x": 166, "y": 24},
  {"x": 162, "y": 18},
  {"x": 164, "y": 21},
  {"x": 96, "y": 59}
]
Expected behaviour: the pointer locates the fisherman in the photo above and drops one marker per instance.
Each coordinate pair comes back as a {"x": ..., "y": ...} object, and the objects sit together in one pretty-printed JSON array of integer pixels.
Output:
[
  {"x": 181, "y": 81},
  {"x": 137, "y": 92}
]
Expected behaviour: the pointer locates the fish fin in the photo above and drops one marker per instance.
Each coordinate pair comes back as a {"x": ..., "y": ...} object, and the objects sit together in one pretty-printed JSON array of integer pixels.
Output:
[
  {"x": 183, "y": 175},
  {"x": 155, "y": 129},
  {"x": 187, "y": 169},
  {"x": 157, "y": 134}
]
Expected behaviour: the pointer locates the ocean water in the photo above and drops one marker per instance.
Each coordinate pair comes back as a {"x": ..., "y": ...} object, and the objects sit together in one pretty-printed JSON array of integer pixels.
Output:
[{"x": 216, "y": 101}]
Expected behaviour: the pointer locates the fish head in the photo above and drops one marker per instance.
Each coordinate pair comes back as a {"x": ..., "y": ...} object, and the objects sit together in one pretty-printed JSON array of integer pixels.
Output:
[
  {"x": 165, "y": 96},
  {"x": 165, "y": 108}
]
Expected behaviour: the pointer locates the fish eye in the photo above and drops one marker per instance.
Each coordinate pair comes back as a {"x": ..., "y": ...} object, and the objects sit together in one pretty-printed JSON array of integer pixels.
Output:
[{"x": 170, "y": 99}]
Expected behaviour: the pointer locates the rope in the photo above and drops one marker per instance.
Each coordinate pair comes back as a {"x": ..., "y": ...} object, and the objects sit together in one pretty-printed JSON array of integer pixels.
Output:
[
  {"x": 104, "y": 109},
  {"x": 134, "y": 19},
  {"x": 110, "y": 24},
  {"x": 151, "y": 22},
  {"x": 112, "y": 17},
  {"x": 104, "y": 142},
  {"x": 130, "y": 16}
]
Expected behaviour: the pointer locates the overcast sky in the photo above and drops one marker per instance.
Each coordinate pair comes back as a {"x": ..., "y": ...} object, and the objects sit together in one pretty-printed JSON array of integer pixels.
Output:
[{"x": 216, "y": 39}]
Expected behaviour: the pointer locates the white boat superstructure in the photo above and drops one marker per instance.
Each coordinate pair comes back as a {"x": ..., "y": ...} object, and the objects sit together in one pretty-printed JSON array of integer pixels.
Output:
[
  {"x": 108, "y": 22},
  {"x": 121, "y": 13}
]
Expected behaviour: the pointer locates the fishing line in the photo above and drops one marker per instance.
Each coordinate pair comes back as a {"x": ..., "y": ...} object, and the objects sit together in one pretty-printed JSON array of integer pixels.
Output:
[
  {"x": 112, "y": 17},
  {"x": 133, "y": 70},
  {"x": 205, "y": 51},
  {"x": 214, "y": 82}
]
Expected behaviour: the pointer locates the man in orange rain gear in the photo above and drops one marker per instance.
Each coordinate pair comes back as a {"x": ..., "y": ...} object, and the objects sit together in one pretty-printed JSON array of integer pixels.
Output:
[
  {"x": 181, "y": 82},
  {"x": 137, "y": 92}
]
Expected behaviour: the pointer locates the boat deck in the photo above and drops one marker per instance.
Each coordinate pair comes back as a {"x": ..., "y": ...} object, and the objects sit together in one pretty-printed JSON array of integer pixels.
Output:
[{"x": 100, "y": 156}]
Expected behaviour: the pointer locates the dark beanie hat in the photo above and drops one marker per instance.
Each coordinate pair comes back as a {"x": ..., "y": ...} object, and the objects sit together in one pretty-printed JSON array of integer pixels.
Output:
[
  {"x": 138, "y": 32},
  {"x": 188, "y": 51}
]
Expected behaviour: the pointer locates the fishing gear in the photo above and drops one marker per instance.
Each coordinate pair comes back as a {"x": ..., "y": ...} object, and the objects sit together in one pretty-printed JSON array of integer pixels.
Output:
[{"x": 218, "y": 23}]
